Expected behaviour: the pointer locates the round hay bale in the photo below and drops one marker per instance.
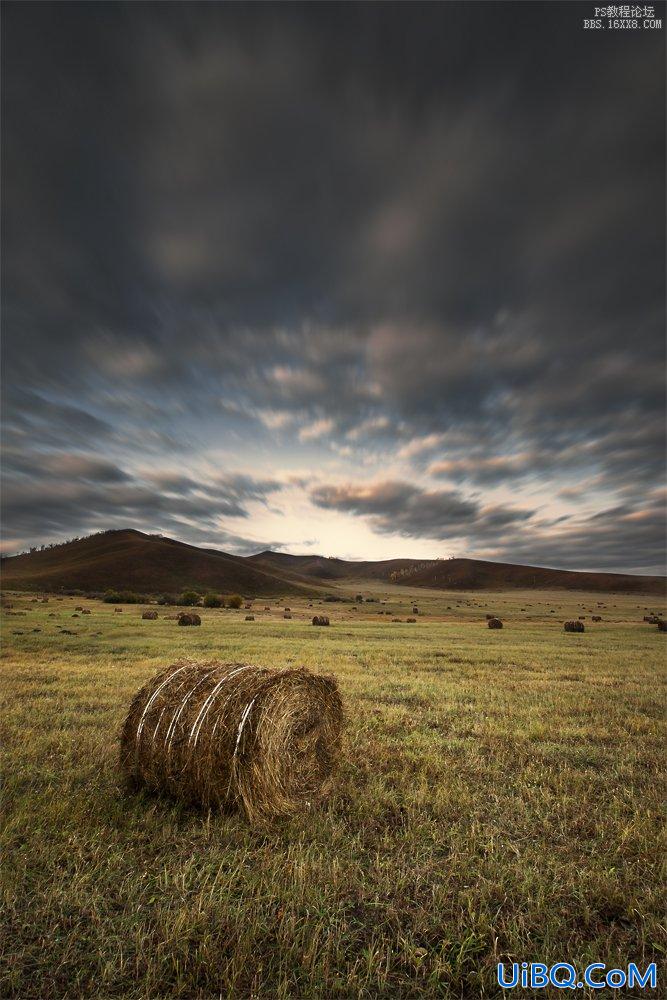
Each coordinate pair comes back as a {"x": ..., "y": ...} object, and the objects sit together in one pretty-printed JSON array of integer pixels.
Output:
[
  {"x": 320, "y": 620},
  {"x": 596, "y": 618},
  {"x": 85, "y": 611},
  {"x": 149, "y": 615},
  {"x": 78, "y": 608},
  {"x": 662, "y": 626},
  {"x": 118, "y": 611},
  {"x": 250, "y": 618},
  {"x": 234, "y": 735},
  {"x": 494, "y": 623},
  {"x": 574, "y": 626},
  {"x": 267, "y": 608},
  {"x": 287, "y": 609},
  {"x": 411, "y": 621},
  {"x": 287, "y": 615},
  {"x": 189, "y": 618}
]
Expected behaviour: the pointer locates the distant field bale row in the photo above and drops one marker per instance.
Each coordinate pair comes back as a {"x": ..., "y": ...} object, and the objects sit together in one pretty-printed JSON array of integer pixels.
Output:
[{"x": 234, "y": 735}]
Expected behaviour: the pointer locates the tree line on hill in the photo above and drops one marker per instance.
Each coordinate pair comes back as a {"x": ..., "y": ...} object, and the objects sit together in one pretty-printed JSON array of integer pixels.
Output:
[{"x": 188, "y": 599}]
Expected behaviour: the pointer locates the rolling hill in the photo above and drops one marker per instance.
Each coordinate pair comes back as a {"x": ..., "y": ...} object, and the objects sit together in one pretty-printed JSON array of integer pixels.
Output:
[
  {"x": 131, "y": 560},
  {"x": 457, "y": 574},
  {"x": 152, "y": 564}
]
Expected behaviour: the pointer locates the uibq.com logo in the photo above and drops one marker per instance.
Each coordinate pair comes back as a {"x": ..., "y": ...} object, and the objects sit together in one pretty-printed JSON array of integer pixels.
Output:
[{"x": 564, "y": 976}]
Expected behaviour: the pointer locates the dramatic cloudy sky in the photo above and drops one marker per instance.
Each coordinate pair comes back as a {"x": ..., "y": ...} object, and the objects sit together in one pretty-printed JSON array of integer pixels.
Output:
[{"x": 365, "y": 280}]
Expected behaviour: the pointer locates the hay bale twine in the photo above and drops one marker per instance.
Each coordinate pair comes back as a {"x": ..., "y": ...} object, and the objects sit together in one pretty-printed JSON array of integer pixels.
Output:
[
  {"x": 320, "y": 620},
  {"x": 234, "y": 735},
  {"x": 574, "y": 626},
  {"x": 189, "y": 618},
  {"x": 494, "y": 623},
  {"x": 149, "y": 615},
  {"x": 249, "y": 618}
]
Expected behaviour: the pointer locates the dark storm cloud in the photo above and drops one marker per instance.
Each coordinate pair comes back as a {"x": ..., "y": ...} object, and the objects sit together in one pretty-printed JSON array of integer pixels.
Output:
[
  {"x": 360, "y": 224},
  {"x": 86, "y": 493},
  {"x": 404, "y": 509}
]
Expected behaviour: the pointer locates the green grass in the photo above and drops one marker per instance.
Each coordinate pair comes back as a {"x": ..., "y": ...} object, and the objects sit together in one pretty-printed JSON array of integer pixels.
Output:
[{"x": 498, "y": 800}]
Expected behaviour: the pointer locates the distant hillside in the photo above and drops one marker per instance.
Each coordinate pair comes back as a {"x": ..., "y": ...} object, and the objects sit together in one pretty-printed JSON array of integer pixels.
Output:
[
  {"x": 131, "y": 560},
  {"x": 458, "y": 574},
  {"x": 151, "y": 564}
]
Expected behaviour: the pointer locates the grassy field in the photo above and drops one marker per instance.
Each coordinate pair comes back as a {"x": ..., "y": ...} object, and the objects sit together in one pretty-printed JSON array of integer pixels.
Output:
[{"x": 498, "y": 800}]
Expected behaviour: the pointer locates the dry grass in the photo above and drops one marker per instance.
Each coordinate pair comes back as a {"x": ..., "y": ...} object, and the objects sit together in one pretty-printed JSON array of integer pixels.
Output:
[{"x": 500, "y": 798}]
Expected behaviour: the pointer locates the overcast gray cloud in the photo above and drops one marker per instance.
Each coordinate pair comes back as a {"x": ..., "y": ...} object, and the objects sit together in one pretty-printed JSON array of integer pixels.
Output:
[{"x": 419, "y": 238}]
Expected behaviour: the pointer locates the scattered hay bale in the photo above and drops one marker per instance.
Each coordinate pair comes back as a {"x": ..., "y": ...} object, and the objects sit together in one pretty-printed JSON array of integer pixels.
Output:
[
  {"x": 415, "y": 610},
  {"x": 320, "y": 620},
  {"x": 359, "y": 598},
  {"x": 287, "y": 615},
  {"x": 235, "y": 736},
  {"x": 249, "y": 618},
  {"x": 247, "y": 607},
  {"x": 118, "y": 611},
  {"x": 411, "y": 621},
  {"x": 287, "y": 609},
  {"x": 494, "y": 623},
  {"x": 596, "y": 618},
  {"x": 189, "y": 618},
  {"x": 149, "y": 616},
  {"x": 574, "y": 626},
  {"x": 75, "y": 616},
  {"x": 85, "y": 611},
  {"x": 78, "y": 608},
  {"x": 267, "y": 608},
  {"x": 396, "y": 619}
]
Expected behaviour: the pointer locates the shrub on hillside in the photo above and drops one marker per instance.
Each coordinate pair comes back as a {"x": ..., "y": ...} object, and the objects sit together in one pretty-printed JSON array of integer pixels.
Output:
[
  {"x": 124, "y": 597},
  {"x": 234, "y": 601},
  {"x": 189, "y": 598},
  {"x": 212, "y": 601}
]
